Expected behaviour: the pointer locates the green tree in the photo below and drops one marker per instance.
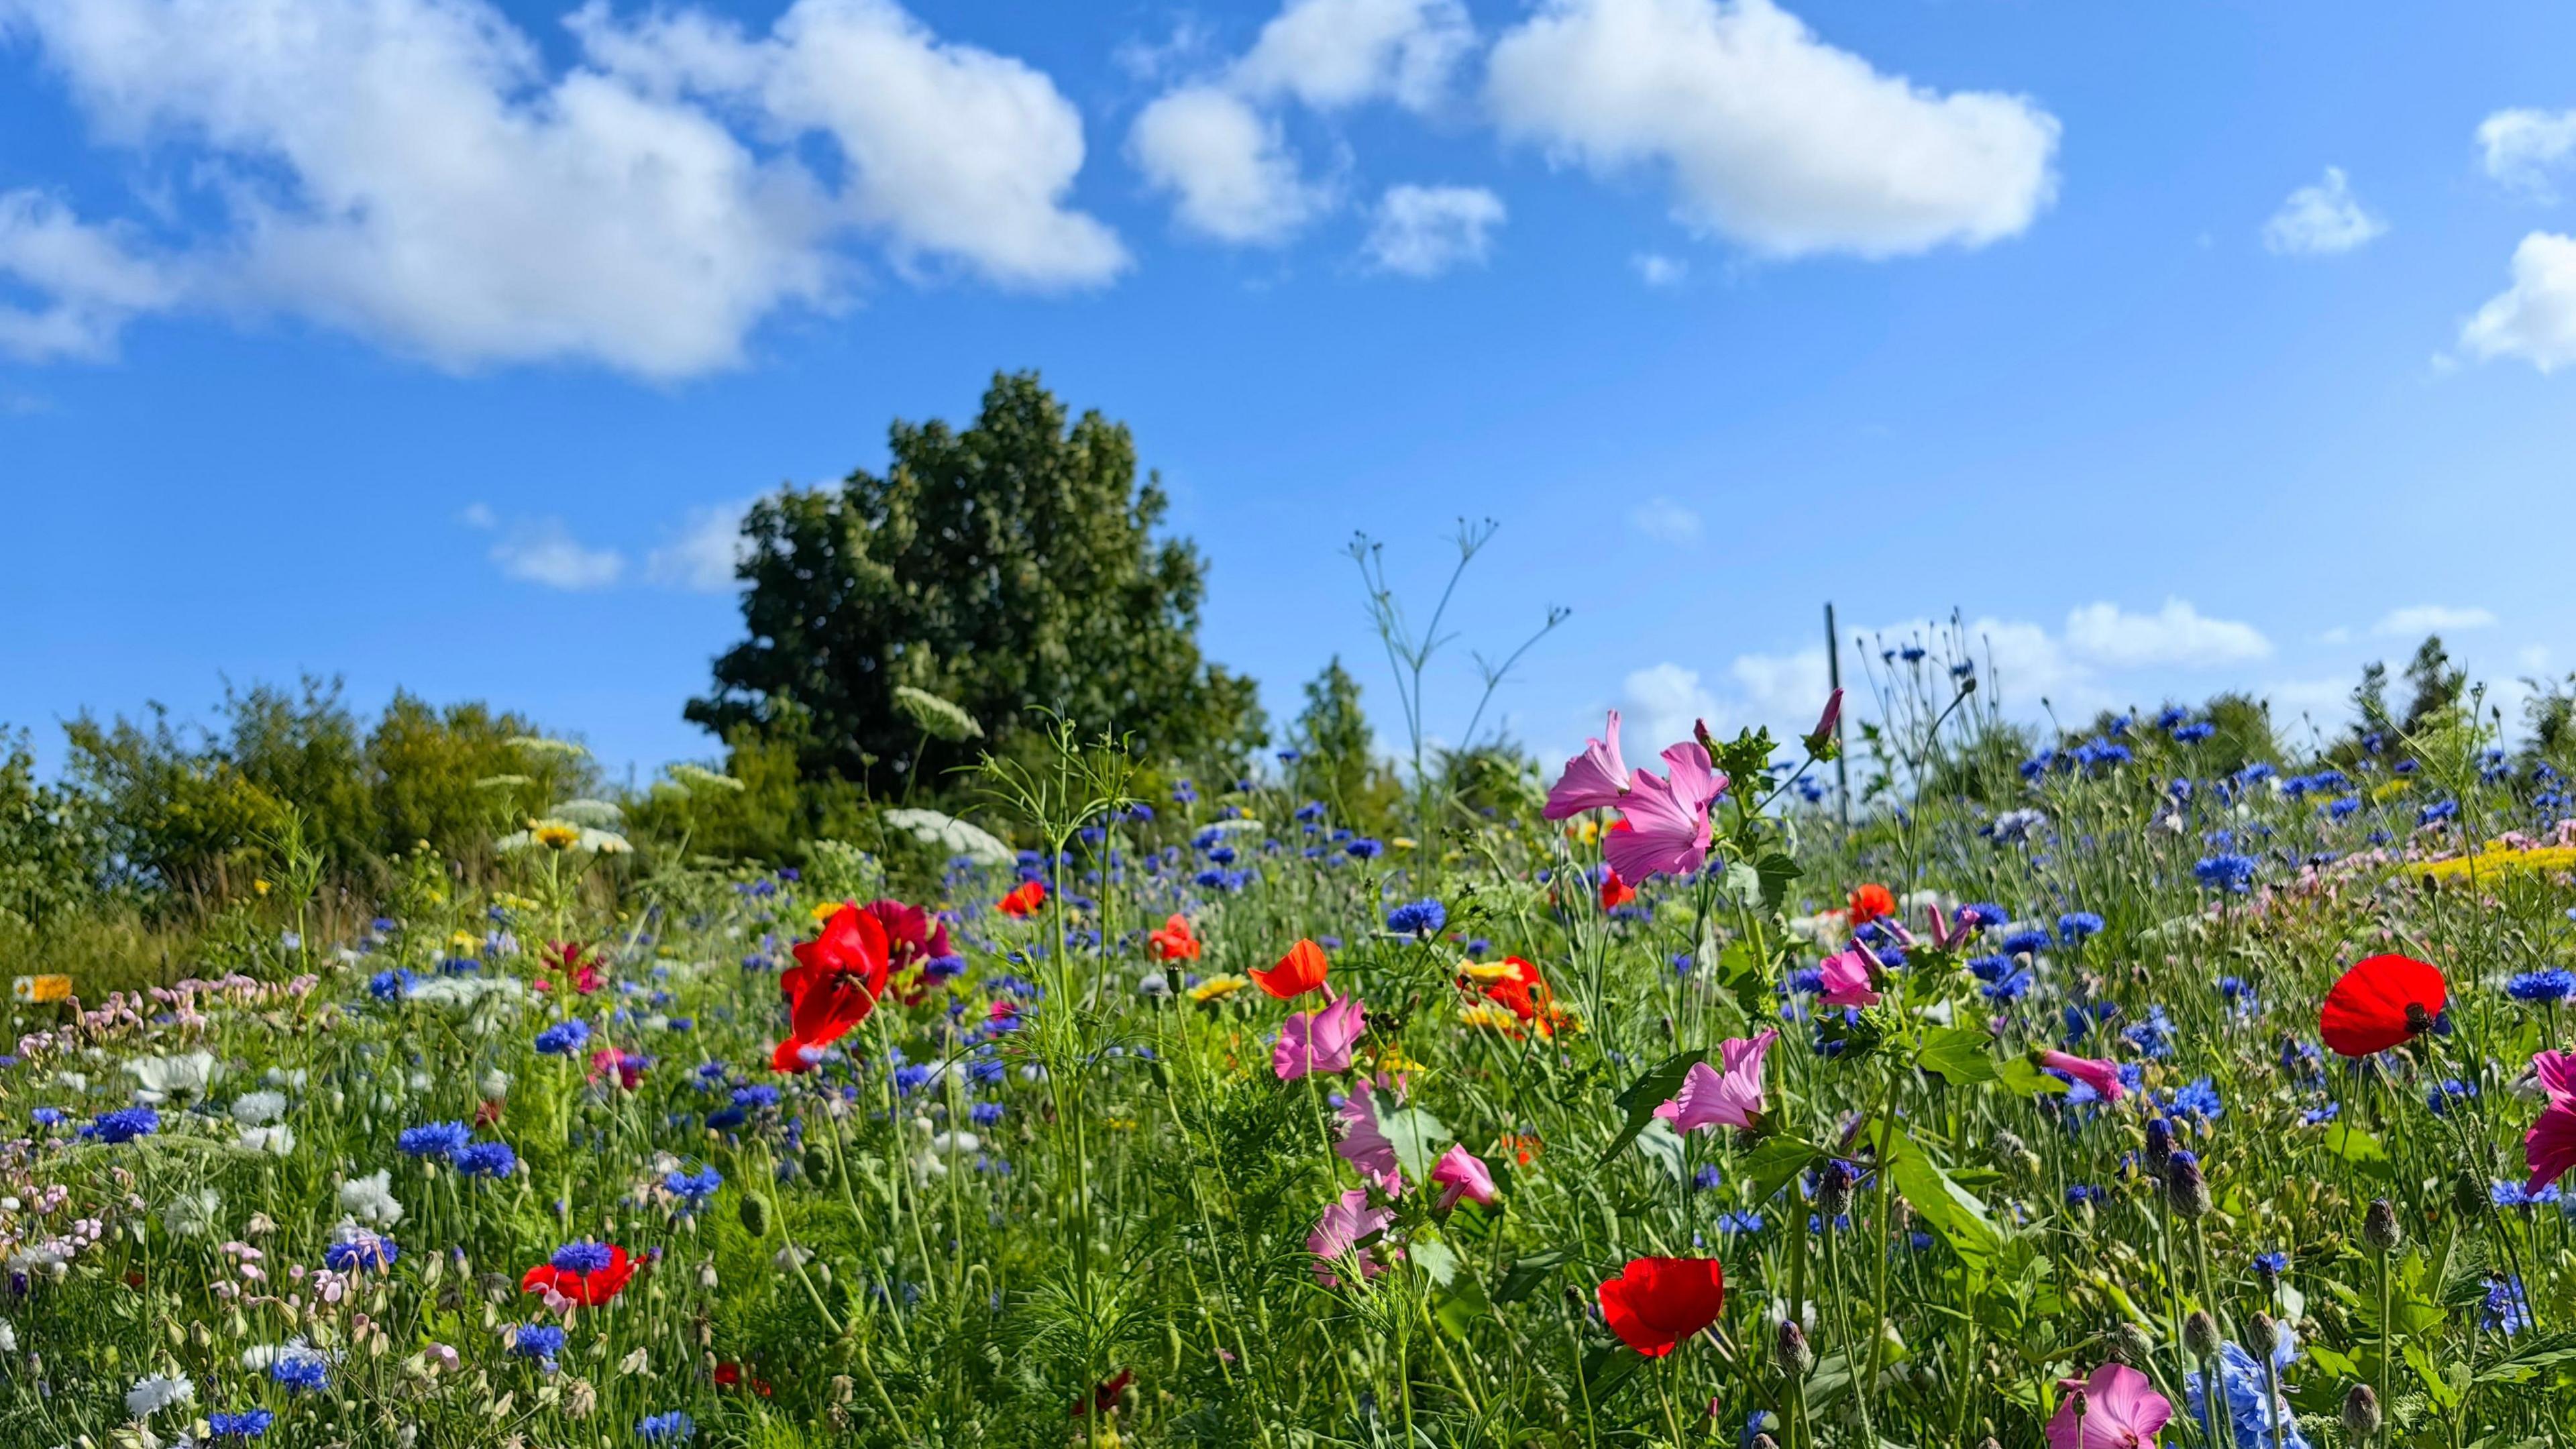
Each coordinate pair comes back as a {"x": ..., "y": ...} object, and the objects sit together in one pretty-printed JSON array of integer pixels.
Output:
[
  {"x": 1003, "y": 567},
  {"x": 2438, "y": 684},
  {"x": 453, "y": 778},
  {"x": 52, "y": 845},
  {"x": 1337, "y": 759}
]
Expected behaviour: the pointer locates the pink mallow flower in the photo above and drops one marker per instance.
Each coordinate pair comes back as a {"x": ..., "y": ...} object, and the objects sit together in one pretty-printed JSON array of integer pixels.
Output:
[
  {"x": 1339, "y": 1231},
  {"x": 1318, "y": 1041},
  {"x": 1727, "y": 1095},
  {"x": 1595, "y": 779},
  {"x": 2101, "y": 1076},
  {"x": 2114, "y": 1409},
  {"x": 1663, "y": 823},
  {"x": 2549, "y": 1148},
  {"x": 1365, "y": 1145},
  {"x": 1463, "y": 1174},
  {"x": 1847, "y": 979}
]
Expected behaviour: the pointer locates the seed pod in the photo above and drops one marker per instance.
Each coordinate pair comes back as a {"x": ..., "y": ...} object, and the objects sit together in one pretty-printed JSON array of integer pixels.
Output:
[
  {"x": 2361, "y": 1414},
  {"x": 818, "y": 1165},
  {"x": 2200, "y": 1335},
  {"x": 2379, "y": 1226},
  {"x": 2469, "y": 1195},
  {"x": 755, "y": 1214},
  {"x": 1795, "y": 1357}
]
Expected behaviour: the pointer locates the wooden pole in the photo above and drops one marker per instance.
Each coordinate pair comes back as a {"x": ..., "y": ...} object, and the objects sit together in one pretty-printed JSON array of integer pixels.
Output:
[{"x": 1834, "y": 679}]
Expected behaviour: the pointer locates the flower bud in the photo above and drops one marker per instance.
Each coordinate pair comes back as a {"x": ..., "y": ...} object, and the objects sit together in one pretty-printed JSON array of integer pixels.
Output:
[
  {"x": 2469, "y": 1195},
  {"x": 2160, "y": 1144},
  {"x": 2188, "y": 1189},
  {"x": 1834, "y": 1187},
  {"x": 2262, "y": 1335},
  {"x": 755, "y": 1214},
  {"x": 1796, "y": 1358},
  {"x": 2200, "y": 1335},
  {"x": 2361, "y": 1414},
  {"x": 2379, "y": 1227},
  {"x": 2130, "y": 1345}
]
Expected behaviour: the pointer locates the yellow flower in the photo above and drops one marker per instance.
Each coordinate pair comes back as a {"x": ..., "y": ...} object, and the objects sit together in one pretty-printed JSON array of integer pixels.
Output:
[
  {"x": 1488, "y": 1015},
  {"x": 2392, "y": 790},
  {"x": 1217, "y": 988},
  {"x": 2496, "y": 860},
  {"x": 1403, "y": 842},
  {"x": 555, "y": 834},
  {"x": 825, "y": 910},
  {"x": 259, "y": 886},
  {"x": 1589, "y": 832},
  {"x": 466, "y": 943},
  {"x": 1391, "y": 1058}
]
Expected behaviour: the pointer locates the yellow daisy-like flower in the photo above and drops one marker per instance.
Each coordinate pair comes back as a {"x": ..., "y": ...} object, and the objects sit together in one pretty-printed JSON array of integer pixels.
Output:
[
  {"x": 1589, "y": 832},
  {"x": 1217, "y": 988},
  {"x": 465, "y": 943},
  {"x": 825, "y": 910},
  {"x": 2391, "y": 790},
  {"x": 1391, "y": 1058},
  {"x": 2499, "y": 861},
  {"x": 1488, "y": 1015},
  {"x": 1404, "y": 842},
  {"x": 555, "y": 834},
  {"x": 1487, "y": 973}
]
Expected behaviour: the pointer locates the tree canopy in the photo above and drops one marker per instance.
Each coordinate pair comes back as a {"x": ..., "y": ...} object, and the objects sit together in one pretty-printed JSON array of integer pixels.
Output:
[{"x": 1007, "y": 566}]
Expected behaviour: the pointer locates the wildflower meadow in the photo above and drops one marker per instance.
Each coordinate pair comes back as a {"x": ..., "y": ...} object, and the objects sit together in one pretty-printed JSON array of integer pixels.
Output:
[{"x": 2110, "y": 1092}]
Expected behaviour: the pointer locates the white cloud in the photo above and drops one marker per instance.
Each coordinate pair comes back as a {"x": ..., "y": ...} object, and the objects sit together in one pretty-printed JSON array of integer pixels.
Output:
[
  {"x": 2321, "y": 219},
  {"x": 1771, "y": 136},
  {"x": 91, "y": 276},
  {"x": 1660, "y": 704},
  {"x": 2325, "y": 700},
  {"x": 2418, "y": 620},
  {"x": 1657, "y": 270},
  {"x": 2177, "y": 635},
  {"x": 2534, "y": 657},
  {"x": 415, "y": 173},
  {"x": 2522, "y": 147},
  {"x": 701, "y": 556},
  {"x": 544, "y": 553},
  {"x": 2535, "y": 318},
  {"x": 1422, "y": 231},
  {"x": 1667, "y": 519},
  {"x": 1227, "y": 166},
  {"x": 1332, "y": 54},
  {"x": 478, "y": 516}
]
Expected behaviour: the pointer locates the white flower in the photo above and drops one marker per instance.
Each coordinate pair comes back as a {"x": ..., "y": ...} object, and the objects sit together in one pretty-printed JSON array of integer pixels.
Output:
[
  {"x": 370, "y": 1199},
  {"x": 192, "y": 1214},
  {"x": 258, "y": 1109},
  {"x": 495, "y": 1084},
  {"x": 161, "y": 1078},
  {"x": 276, "y": 1141},
  {"x": 8, "y": 1337},
  {"x": 155, "y": 1392},
  {"x": 281, "y": 1077}
]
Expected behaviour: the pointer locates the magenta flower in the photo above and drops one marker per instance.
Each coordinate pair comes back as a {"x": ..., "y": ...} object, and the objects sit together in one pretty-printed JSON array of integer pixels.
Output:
[
  {"x": 2114, "y": 1409},
  {"x": 2549, "y": 1148},
  {"x": 1593, "y": 780},
  {"x": 1464, "y": 1174},
  {"x": 1365, "y": 1145},
  {"x": 1318, "y": 1041},
  {"x": 1825, "y": 723},
  {"x": 1338, "y": 1233},
  {"x": 1728, "y": 1095},
  {"x": 2101, "y": 1076},
  {"x": 2557, "y": 1074},
  {"x": 1663, "y": 823},
  {"x": 1847, "y": 979}
]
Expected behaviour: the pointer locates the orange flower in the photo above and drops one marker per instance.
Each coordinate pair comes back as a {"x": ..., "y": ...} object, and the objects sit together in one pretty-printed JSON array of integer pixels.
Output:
[
  {"x": 1298, "y": 972},
  {"x": 1871, "y": 903},
  {"x": 1174, "y": 942},
  {"x": 1023, "y": 900},
  {"x": 1614, "y": 891},
  {"x": 1522, "y": 992}
]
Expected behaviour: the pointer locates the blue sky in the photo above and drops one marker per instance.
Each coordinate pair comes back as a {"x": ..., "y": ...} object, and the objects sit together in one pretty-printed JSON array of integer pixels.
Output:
[{"x": 422, "y": 341}]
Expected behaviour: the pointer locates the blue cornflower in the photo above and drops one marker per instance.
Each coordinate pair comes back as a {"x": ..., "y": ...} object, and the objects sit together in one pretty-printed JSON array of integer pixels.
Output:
[
  {"x": 674, "y": 1427},
  {"x": 124, "y": 1125},
  {"x": 584, "y": 1257},
  {"x": 2153, "y": 1036},
  {"x": 46, "y": 1116},
  {"x": 911, "y": 1079},
  {"x": 1707, "y": 1178},
  {"x": 300, "y": 1369},
  {"x": 2011, "y": 987},
  {"x": 694, "y": 1188},
  {"x": 538, "y": 1341},
  {"x": 2344, "y": 808},
  {"x": 2074, "y": 926},
  {"x": 985, "y": 1114},
  {"x": 2508, "y": 1309},
  {"x": 1990, "y": 968},
  {"x": 246, "y": 1425},
  {"x": 2511, "y": 1195},
  {"x": 756, "y": 1096},
  {"x": 435, "y": 1139},
  {"x": 2228, "y": 872},
  {"x": 2271, "y": 1265},
  {"x": 1739, "y": 1221},
  {"x": 2439, "y": 1098},
  {"x": 2192, "y": 734},
  {"x": 2554, "y": 984},
  {"x": 2026, "y": 942},
  {"x": 564, "y": 1038},
  {"x": 1982, "y": 914},
  {"x": 1417, "y": 918},
  {"x": 2198, "y": 1099},
  {"x": 2319, "y": 1116},
  {"x": 360, "y": 1251},
  {"x": 389, "y": 985},
  {"x": 2253, "y": 1408},
  {"x": 487, "y": 1159},
  {"x": 2079, "y": 1194}
]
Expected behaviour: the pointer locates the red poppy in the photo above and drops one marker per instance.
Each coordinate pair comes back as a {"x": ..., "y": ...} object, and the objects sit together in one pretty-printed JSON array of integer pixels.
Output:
[
  {"x": 835, "y": 984},
  {"x": 1614, "y": 891},
  {"x": 487, "y": 1112},
  {"x": 729, "y": 1375},
  {"x": 1655, "y": 1303},
  {"x": 1023, "y": 900},
  {"x": 589, "y": 1289},
  {"x": 914, "y": 938},
  {"x": 1104, "y": 1397},
  {"x": 1871, "y": 902},
  {"x": 1298, "y": 972},
  {"x": 2381, "y": 1002},
  {"x": 1174, "y": 942}
]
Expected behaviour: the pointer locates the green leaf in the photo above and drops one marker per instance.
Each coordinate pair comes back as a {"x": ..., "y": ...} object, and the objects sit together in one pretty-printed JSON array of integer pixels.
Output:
[
  {"x": 2553, "y": 1351},
  {"x": 1778, "y": 872},
  {"x": 1417, "y": 1136},
  {"x": 2354, "y": 1145},
  {"x": 1432, "y": 1256},
  {"x": 1460, "y": 1306},
  {"x": 1647, "y": 1093},
  {"x": 1605, "y": 1369},
  {"x": 1527, "y": 1273},
  {"x": 1949, "y": 1209},
  {"x": 2023, "y": 1075},
  {"x": 1768, "y": 1168},
  {"x": 1961, "y": 1054},
  {"x": 1665, "y": 1149}
]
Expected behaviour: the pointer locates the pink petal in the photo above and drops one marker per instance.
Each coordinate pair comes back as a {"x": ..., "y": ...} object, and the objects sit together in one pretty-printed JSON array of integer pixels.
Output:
[{"x": 1595, "y": 779}]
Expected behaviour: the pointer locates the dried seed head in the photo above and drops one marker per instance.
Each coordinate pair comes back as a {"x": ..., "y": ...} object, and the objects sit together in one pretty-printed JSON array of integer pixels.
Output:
[{"x": 2379, "y": 1227}]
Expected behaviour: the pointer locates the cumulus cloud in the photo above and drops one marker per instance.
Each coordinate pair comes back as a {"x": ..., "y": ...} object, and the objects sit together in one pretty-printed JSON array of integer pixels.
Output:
[
  {"x": 2522, "y": 148},
  {"x": 2177, "y": 635},
  {"x": 416, "y": 173},
  {"x": 91, "y": 278},
  {"x": 700, "y": 557},
  {"x": 1657, "y": 270},
  {"x": 2418, "y": 620},
  {"x": 1660, "y": 703},
  {"x": 2535, "y": 318},
  {"x": 1667, "y": 519},
  {"x": 2321, "y": 219},
  {"x": 545, "y": 553},
  {"x": 1767, "y": 134},
  {"x": 1216, "y": 144},
  {"x": 1422, "y": 231}
]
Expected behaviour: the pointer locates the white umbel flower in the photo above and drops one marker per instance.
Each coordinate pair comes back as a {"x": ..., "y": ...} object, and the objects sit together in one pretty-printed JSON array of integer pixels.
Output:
[
  {"x": 370, "y": 1199},
  {"x": 155, "y": 1392}
]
